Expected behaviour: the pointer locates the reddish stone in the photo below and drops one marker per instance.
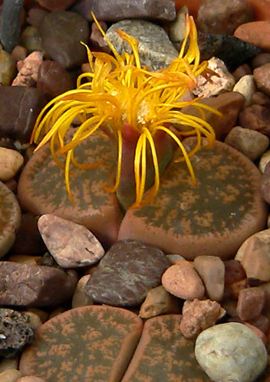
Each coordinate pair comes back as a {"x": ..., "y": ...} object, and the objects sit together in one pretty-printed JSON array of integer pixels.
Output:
[
  {"x": 233, "y": 271},
  {"x": 198, "y": 316},
  {"x": 241, "y": 71},
  {"x": 193, "y": 5},
  {"x": 260, "y": 59},
  {"x": 250, "y": 303},
  {"x": 256, "y": 32},
  {"x": 56, "y": 5},
  {"x": 256, "y": 117},
  {"x": 262, "y": 78},
  {"x": 223, "y": 16},
  {"x": 183, "y": 281},
  {"x": 53, "y": 79},
  {"x": 261, "y": 9}
]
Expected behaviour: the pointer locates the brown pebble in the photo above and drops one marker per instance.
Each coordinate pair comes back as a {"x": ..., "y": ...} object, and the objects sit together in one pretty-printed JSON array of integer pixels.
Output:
[
  {"x": 262, "y": 78},
  {"x": 250, "y": 303},
  {"x": 212, "y": 270},
  {"x": 183, "y": 281},
  {"x": 241, "y": 71},
  {"x": 260, "y": 59},
  {"x": 256, "y": 32}
]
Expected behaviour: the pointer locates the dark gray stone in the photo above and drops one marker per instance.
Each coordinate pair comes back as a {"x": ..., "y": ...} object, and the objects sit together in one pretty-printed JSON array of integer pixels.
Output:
[
  {"x": 155, "y": 48},
  {"x": 15, "y": 332},
  {"x": 61, "y": 33},
  {"x": 32, "y": 285},
  {"x": 122, "y": 9},
  {"x": 10, "y": 25},
  {"x": 19, "y": 108},
  {"x": 229, "y": 49},
  {"x": 126, "y": 273}
]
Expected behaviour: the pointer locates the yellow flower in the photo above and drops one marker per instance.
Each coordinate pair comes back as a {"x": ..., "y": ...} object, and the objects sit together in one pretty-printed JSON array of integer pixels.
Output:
[{"x": 121, "y": 96}]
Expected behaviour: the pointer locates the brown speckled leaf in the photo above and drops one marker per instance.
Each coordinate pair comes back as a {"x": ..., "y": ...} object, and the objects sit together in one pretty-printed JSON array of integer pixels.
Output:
[
  {"x": 164, "y": 355},
  {"x": 10, "y": 218},
  {"x": 41, "y": 189},
  {"x": 213, "y": 217},
  {"x": 85, "y": 344}
]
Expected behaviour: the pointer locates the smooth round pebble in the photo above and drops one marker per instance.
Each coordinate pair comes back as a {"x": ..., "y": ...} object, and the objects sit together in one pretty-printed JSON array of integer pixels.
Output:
[
  {"x": 181, "y": 280},
  {"x": 231, "y": 352},
  {"x": 10, "y": 163},
  {"x": 10, "y": 375}
]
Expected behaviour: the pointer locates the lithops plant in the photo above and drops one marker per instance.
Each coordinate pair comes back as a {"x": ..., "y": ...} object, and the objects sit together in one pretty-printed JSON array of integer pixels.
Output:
[
  {"x": 10, "y": 218},
  {"x": 140, "y": 110},
  {"x": 91, "y": 343}
]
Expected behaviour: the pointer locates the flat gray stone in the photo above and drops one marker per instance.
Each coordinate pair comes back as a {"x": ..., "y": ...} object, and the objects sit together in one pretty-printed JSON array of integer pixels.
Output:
[{"x": 155, "y": 48}]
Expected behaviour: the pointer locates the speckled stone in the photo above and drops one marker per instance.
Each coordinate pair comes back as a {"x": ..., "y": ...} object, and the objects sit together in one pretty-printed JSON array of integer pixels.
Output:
[
  {"x": 182, "y": 280},
  {"x": 125, "y": 9},
  {"x": 71, "y": 245},
  {"x": 61, "y": 33},
  {"x": 41, "y": 189},
  {"x": 10, "y": 218},
  {"x": 254, "y": 255},
  {"x": 92, "y": 343},
  {"x": 231, "y": 352},
  {"x": 16, "y": 332},
  {"x": 213, "y": 218},
  {"x": 223, "y": 16},
  {"x": 155, "y": 48},
  {"x": 34, "y": 285},
  {"x": 163, "y": 354},
  {"x": 126, "y": 273}
]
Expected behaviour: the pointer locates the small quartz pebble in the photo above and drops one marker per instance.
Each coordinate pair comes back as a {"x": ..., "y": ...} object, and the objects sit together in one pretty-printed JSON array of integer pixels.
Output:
[
  {"x": 178, "y": 27},
  {"x": 158, "y": 301},
  {"x": 10, "y": 375},
  {"x": 265, "y": 158},
  {"x": 262, "y": 78},
  {"x": 10, "y": 163},
  {"x": 250, "y": 142},
  {"x": 223, "y": 16},
  {"x": 80, "y": 298},
  {"x": 72, "y": 245},
  {"x": 265, "y": 184},
  {"x": 30, "y": 378},
  {"x": 254, "y": 255},
  {"x": 212, "y": 271},
  {"x": 246, "y": 87},
  {"x": 183, "y": 281},
  {"x": 198, "y": 316},
  {"x": 218, "y": 83},
  {"x": 250, "y": 303},
  {"x": 231, "y": 352},
  {"x": 7, "y": 68}
]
